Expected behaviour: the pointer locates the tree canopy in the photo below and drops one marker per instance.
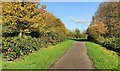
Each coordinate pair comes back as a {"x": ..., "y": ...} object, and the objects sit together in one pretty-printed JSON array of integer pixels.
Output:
[
  {"x": 25, "y": 17},
  {"x": 105, "y": 25}
]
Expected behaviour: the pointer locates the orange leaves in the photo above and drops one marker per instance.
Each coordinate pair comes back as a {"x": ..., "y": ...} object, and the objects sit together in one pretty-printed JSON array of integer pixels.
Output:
[
  {"x": 97, "y": 29},
  {"x": 101, "y": 28},
  {"x": 108, "y": 12}
]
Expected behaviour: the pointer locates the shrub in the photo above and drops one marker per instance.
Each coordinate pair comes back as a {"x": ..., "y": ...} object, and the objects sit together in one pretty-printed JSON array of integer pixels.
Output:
[
  {"x": 16, "y": 47},
  {"x": 111, "y": 43}
]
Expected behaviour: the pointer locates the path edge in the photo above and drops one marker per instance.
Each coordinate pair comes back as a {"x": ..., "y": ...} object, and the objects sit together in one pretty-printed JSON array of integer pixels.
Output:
[
  {"x": 91, "y": 60},
  {"x": 59, "y": 57}
]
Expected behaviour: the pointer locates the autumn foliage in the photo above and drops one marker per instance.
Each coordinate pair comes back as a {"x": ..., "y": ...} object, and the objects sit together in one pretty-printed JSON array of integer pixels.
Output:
[
  {"x": 27, "y": 27},
  {"x": 105, "y": 26},
  {"x": 97, "y": 29}
]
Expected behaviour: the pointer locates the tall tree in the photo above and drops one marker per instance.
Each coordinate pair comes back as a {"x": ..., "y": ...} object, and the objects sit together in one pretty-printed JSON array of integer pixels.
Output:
[
  {"x": 22, "y": 17},
  {"x": 108, "y": 13}
]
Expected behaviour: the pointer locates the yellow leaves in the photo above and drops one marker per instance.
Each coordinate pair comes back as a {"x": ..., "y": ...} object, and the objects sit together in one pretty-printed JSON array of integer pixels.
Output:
[
  {"x": 1, "y": 21},
  {"x": 40, "y": 18},
  {"x": 30, "y": 17},
  {"x": 38, "y": 24},
  {"x": 35, "y": 25},
  {"x": 22, "y": 8},
  {"x": 5, "y": 20}
]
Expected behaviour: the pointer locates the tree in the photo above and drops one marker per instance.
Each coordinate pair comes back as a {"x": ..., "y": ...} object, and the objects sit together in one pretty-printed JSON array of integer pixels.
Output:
[
  {"x": 70, "y": 34},
  {"x": 108, "y": 13},
  {"x": 21, "y": 17},
  {"x": 77, "y": 33},
  {"x": 97, "y": 29},
  {"x": 108, "y": 32}
]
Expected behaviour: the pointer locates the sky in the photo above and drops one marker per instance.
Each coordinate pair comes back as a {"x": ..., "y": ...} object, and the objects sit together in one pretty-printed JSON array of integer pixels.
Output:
[
  {"x": 80, "y": 0},
  {"x": 73, "y": 14}
]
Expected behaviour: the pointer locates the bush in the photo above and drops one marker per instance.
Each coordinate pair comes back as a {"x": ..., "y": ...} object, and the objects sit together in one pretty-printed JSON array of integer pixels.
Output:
[
  {"x": 15, "y": 47},
  {"x": 110, "y": 43}
]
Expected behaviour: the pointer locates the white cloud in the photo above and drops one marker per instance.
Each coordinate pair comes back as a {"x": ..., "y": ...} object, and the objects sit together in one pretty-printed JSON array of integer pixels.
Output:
[{"x": 79, "y": 21}]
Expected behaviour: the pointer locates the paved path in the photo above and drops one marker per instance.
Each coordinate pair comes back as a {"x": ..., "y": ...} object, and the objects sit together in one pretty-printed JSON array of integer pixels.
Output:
[{"x": 75, "y": 58}]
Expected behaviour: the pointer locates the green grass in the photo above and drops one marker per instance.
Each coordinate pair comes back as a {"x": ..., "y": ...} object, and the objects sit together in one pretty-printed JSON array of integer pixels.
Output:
[
  {"x": 102, "y": 58},
  {"x": 0, "y": 62},
  {"x": 41, "y": 59}
]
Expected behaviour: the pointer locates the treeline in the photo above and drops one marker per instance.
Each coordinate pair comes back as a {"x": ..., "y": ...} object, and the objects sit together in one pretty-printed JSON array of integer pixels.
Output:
[
  {"x": 105, "y": 26},
  {"x": 27, "y": 27},
  {"x": 77, "y": 34}
]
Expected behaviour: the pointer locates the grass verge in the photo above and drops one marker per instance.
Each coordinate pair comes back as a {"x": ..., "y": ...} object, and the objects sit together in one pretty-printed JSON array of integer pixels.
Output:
[
  {"x": 102, "y": 58},
  {"x": 41, "y": 59},
  {"x": 0, "y": 62}
]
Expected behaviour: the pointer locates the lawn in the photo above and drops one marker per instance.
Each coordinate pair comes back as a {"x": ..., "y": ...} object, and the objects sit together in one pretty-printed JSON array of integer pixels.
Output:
[
  {"x": 41, "y": 59},
  {"x": 102, "y": 58},
  {"x": 0, "y": 62}
]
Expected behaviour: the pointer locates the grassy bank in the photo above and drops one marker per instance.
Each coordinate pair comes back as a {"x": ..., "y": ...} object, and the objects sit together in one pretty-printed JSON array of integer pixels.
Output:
[
  {"x": 41, "y": 59},
  {"x": 102, "y": 58},
  {"x": 0, "y": 62}
]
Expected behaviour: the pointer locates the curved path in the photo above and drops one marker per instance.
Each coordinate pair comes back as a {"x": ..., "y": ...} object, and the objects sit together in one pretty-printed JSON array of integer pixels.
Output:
[{"x": 75, "y": 58}]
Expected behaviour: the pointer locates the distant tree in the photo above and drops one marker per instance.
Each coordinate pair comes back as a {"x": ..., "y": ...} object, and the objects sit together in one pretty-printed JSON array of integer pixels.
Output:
[
  {"x": 77, "y": 33},
  {"x": 84, "y": 34},
  {"x": 70, "y": 34}
]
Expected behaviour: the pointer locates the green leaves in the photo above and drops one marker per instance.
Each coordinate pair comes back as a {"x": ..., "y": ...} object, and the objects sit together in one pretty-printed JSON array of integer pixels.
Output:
[{"x": 16, "y": 47}]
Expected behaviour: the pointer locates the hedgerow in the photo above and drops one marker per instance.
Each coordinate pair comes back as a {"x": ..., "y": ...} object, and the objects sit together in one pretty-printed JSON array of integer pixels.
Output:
[
  {"x": 28, "y": 27},
  {"x": 15, "y": 47}
]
